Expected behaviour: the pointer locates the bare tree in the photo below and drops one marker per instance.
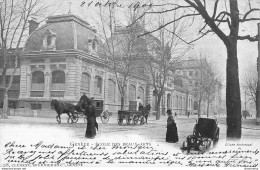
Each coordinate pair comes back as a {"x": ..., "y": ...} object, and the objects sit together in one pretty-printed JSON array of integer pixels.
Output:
[
  {"x": 249, "y": 83},
  {"x": 223, "y": 20},
  {"x": 121, "y": 47},
  {"x": 14, "y": 17},
  {"x": 208, "y": 80},
  {"x": 168, "y": 50}
]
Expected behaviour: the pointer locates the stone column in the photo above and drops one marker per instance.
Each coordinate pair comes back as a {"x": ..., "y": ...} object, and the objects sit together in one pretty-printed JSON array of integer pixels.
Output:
[
  {"x": 46, "y": 85},
  {"x": 28, "y": 84},
  {"x": 24, "y": 81}
]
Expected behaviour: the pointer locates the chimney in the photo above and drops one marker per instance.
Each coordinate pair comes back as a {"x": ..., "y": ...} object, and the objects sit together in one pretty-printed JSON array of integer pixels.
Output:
[{"x": 33, "y": 25}]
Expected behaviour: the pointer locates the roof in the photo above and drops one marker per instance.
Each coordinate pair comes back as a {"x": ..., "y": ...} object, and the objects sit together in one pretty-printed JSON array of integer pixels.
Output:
[{"x": 71, "y": 32}]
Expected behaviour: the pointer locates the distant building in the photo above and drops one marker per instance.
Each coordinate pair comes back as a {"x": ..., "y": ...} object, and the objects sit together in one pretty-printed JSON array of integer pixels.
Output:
[{"x": 190, "y": 71}]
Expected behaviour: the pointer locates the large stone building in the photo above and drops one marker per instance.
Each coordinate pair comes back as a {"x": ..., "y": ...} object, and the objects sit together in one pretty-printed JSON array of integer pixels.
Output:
[{"x": 62, "y": 59}]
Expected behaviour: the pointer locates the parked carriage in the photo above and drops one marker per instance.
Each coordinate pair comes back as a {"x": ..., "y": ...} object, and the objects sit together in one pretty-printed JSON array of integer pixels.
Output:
[
  {"x": 100, "y": 112},
  {"x": 205, "y": 136},
  {"x": 132, "y": 115}
]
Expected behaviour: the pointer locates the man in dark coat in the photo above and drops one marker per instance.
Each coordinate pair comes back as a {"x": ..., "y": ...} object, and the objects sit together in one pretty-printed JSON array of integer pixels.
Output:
[{"x": 172, "y": 132}]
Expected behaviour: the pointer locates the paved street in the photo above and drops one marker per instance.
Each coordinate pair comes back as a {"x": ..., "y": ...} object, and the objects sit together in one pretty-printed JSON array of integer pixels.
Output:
[{"x": 155, "y": 130}]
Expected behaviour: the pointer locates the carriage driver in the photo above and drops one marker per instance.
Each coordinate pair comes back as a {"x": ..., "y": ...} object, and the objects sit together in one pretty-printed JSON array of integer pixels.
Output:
[{"x": 139, "y": 104}]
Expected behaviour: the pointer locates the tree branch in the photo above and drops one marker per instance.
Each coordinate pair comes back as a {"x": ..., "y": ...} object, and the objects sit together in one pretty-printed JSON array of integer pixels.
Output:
[
  {"x": 249, "y": 38},
  {"x": 247, "y": 13},
  {"x": 162, "y": 26},
  {"x": 215, "y": 9},
  {"x": 249, "y": 19}
]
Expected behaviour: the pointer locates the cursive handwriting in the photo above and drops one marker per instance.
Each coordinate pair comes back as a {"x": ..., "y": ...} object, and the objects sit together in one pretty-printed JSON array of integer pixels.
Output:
[
  {"x": 114, "y": 4},
  {"x": 83, "y": 154}
]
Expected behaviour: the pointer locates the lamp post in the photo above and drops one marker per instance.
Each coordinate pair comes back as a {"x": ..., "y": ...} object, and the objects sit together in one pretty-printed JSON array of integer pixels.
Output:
[{"x": 258, "y": 81}]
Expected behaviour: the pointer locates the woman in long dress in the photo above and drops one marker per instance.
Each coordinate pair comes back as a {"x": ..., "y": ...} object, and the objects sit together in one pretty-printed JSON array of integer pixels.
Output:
[
  {"x": 91, "y": 120},
  {"x": 172, "y": 132}
]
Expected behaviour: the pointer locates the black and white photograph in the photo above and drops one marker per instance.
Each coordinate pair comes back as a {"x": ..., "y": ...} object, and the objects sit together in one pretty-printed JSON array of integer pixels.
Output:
[{"x": 129, "y": 83}]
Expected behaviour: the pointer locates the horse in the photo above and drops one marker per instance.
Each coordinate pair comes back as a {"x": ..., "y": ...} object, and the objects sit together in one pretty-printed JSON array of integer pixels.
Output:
[
  {"x": 146, "y": 111},
  {"x": 61, "y": 107}
]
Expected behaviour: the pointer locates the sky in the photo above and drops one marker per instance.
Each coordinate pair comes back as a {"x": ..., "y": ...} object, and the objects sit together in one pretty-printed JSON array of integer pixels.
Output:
[{"x": 247, "y": 51}]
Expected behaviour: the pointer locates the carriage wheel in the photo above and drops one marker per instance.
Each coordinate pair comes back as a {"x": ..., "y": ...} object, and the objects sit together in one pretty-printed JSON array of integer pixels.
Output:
[
  {"x": 120, "y": 121},
  {"x": 135, "y": 119},
  {"x": 128, "y": 120},
  {"x": 85, "y": 119},
  {"x": 58, "y": 119},
  {"x": 104, "y": 116},
  {"x": 74, "y": 119},
  {"x": 142, "y": 120}
]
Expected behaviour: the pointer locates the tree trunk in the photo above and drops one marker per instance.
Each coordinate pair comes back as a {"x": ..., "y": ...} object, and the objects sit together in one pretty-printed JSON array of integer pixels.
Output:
[
  {"x": 158, "y": 107},
  {"x": 208, "y": 107},
  {"x": 233, "y": 101},
  {"x": 122, "y": 102},
  {"x": 163, "y": 105},
  {"x": 5, "y": 104},
  {"x": 199, "y": 107}
]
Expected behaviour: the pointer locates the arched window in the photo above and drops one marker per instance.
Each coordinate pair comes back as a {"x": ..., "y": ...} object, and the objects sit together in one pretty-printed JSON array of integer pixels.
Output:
[
  {"x": 196, "y": 105},
  {"x": 38, "y": 77},
  {"x": 111, "y": 90},
  {"x": 58, "y": 76},
  {"x": 37, "y": 86},
  {"x": 132, "y": 93},
  {"x": 98, "y": 85},
  {"x": 94, "y": 46},
  {"x": 141, "y": 93},
  {"x": 49, "y": 38},
  {"x": 85, "y": 82},
  {"x": 168, "y": 101}
]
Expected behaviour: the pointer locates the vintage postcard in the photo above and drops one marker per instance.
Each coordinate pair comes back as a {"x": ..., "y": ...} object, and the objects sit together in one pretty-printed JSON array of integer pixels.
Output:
[{"x": 118, "y": 83}]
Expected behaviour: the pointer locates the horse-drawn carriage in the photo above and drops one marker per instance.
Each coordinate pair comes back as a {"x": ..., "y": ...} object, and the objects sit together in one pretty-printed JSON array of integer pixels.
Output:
[
  {"x": 100, "y": 112},
  {"x": 134, "y": 116},
  {"x": 205, "y": 135},
  {"x": 76, "y": 111}
]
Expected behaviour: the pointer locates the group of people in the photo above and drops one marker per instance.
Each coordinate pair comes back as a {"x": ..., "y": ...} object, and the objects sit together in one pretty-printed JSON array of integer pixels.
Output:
[{"x": 92, "y": 126}]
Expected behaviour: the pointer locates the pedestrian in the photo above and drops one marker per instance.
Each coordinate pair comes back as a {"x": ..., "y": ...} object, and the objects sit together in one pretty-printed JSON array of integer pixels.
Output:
[
  {"x": 172, "y": 132},
  {"x": 175, "y": 114},
  {"x": 83, "y": 98},
  {"x": 91, "y": 120},
  {"x": 139, "y": 104},
  {"x": 188, "y": 114}
]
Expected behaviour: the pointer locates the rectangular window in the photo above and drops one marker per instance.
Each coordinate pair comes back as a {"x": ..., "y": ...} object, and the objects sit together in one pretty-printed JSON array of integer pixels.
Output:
[
  {"x": 36, "y": 106},
  {"x": 57, "y": 60},
  {"x": 190, "y": 73},
  {"x": 37, "y": 61}
]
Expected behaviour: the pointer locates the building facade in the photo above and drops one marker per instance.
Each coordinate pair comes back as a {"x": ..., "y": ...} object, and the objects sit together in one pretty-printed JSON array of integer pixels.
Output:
[
  {"x": 190, "y": 71},
  {"x": 62, "y": 60}
]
